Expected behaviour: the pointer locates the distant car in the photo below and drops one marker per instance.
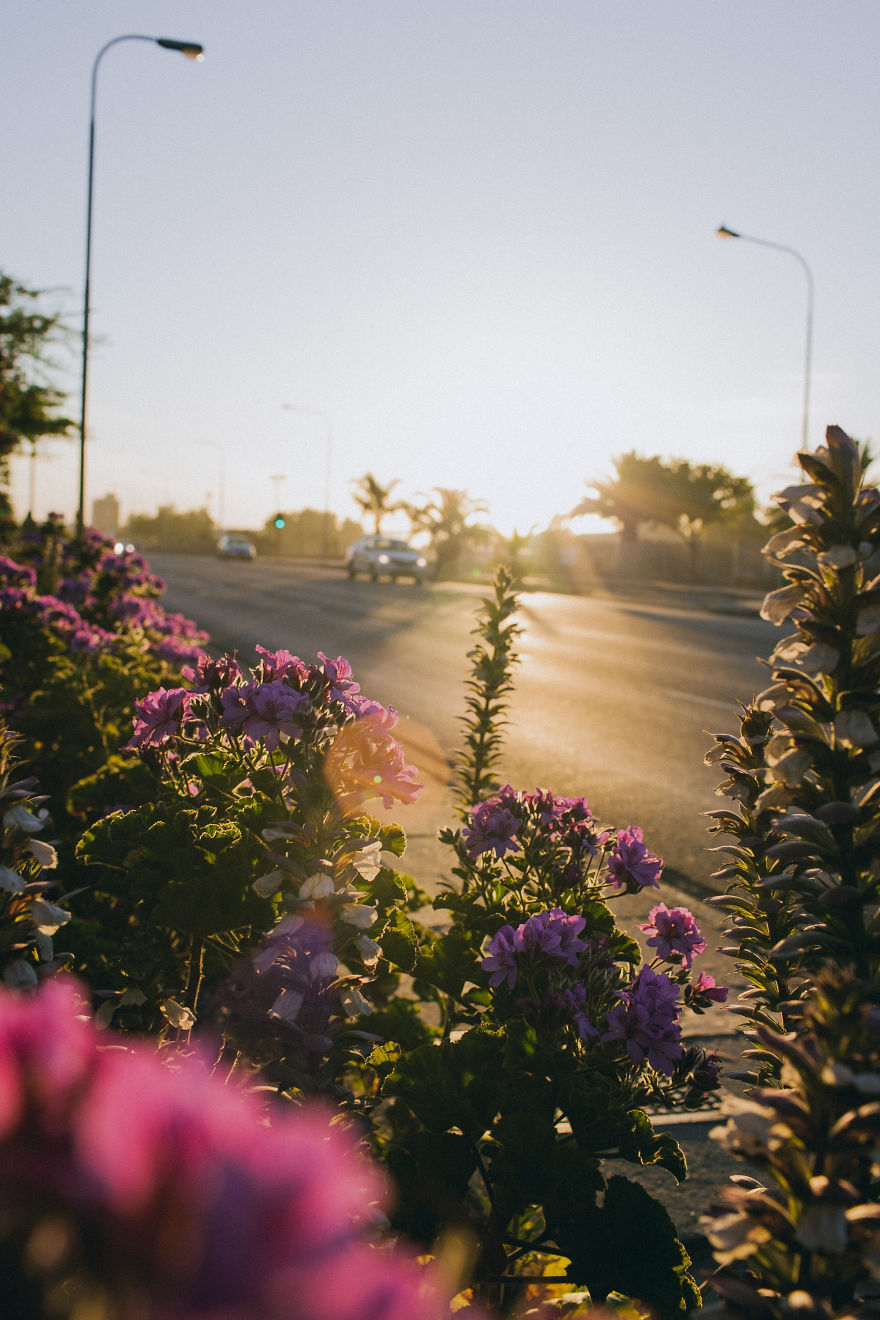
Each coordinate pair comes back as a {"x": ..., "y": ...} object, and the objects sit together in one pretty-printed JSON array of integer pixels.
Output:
[
  {"x": 383, "y": 556},
  {"x": 234, "y": 546}
]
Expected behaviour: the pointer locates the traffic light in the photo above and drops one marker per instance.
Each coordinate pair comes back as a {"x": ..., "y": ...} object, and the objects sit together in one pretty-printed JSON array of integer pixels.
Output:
[{"x": 279, "y": 520}]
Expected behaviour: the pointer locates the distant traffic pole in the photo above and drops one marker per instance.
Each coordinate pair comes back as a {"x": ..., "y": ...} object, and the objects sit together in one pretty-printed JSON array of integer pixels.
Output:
[
  {"x": 724, "y": 232},
  {"x": 193, "y": 51},
  {"x": 328, "y": 436}
]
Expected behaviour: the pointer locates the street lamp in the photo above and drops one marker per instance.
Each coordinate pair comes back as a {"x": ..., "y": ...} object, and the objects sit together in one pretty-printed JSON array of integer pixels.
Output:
[
  {"x": 316, "y": 412},
  {"x": 193, "y": 51},
  {"x": 723, "y": 232},
  {"x": 221, "y": 496}
]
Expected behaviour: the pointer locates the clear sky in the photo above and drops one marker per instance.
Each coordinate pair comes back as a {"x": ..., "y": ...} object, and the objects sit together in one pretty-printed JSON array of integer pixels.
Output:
[{"x": 476, "y": 237}]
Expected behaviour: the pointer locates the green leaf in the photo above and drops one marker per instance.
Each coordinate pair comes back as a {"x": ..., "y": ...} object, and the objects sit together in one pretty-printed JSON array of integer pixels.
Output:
[
  {"x": 453, "y": 1085},
  {"x": 399, "y": 942},
  {"x": 643, "y": 1145},
  {"x": 600, "y": 1243}
]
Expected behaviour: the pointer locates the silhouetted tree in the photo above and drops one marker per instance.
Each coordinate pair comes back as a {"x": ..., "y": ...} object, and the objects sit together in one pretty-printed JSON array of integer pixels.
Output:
[
  {"x": 686, "y": 497},
  {"x": 694, "y": 496},
  {"x": 28, "y": 403},
  {"x": 375, "y": 500},
  {"x": 447, "y": 519},
  {"x": 185, "y": 533},
  {"x": 629, "y": 497}
]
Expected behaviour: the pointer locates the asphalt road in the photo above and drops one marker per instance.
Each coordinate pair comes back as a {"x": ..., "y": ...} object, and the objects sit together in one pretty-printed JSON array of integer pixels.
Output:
[{"x": 616, "y": 699}]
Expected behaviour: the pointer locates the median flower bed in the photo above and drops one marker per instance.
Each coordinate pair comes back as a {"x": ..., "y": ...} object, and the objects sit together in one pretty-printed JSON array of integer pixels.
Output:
[{"x": 243, "y": 935}]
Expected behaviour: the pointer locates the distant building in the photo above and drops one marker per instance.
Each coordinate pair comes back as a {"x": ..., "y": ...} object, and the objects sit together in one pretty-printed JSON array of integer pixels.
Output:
[{"x": 105, "y": 515}]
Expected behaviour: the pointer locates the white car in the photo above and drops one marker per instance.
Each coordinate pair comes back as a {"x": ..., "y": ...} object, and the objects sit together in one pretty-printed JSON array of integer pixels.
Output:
[{"x": 383, "y": 556}]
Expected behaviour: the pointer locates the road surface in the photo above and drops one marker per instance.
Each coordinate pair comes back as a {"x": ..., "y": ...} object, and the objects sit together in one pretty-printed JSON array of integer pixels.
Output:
[{"x": 615, "y": 700}]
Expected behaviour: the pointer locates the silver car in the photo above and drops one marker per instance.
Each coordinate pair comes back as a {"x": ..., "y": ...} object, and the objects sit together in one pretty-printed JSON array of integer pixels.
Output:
[
  {"x": 383, "y": 556},
  {"x": 235, "y": 546}
]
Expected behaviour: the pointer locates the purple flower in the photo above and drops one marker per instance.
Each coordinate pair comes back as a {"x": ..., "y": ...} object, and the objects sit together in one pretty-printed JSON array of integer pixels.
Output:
[
  {"x": 175, "y": 649},
  {"x": 281, "y": 664},
  {"x": 90, "y": 640},
  {"x": 122, "y": 1142},
  {"x": 492, "y": 829},
  {"x": 706, "y": 1076},
  {"x": 674, "y": 934},
  {"x": 338, "y": 671},
  {"x": 646, "y": 1020},
  {"x": 499, "y": 958},
  {"x": 575, "y": 998},
  {"x": 630, "y": 864},
  {"x": 552, "y": 934},
  {"x": 19, "y": 575},
  {"x": 207, "y": 674},
  {"x": 158, "y": 717},
  {"x": 271, "y": 710},
  {"x": 704, "y": 992}
]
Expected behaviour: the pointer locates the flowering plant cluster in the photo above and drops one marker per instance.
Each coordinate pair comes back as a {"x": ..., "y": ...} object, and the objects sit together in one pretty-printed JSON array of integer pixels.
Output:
[
  {"x": 28, "y": 917},
  {"x": 803, "y": 1237},
  {"x": 554, "y": 1034},
  {"x": 802, "y": 876},
  {"x": 83, "y": 633},
  {"x": 256, "y": 824},
  {"x": 802, "y": 893},
  {"x": 136, "y": 1185}
]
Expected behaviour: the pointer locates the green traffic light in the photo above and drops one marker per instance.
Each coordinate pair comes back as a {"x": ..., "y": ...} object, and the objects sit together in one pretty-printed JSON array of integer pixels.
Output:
[{"x": 279, "y": 522}]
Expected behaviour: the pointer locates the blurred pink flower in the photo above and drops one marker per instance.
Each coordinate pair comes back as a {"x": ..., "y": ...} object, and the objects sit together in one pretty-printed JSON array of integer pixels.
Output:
[{"x": 194, "y": 1198}]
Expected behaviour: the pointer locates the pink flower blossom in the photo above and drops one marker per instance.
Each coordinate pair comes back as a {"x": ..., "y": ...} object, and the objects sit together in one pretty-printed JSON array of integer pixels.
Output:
[
  {"x": 704, "y": 991},
  {"x": 552, "y": 934},
  {"x": 364, "y": 761},
  {"x": 646, "y": 1020},
  {"x": 158, "y": 717},
  {"x": 630, "y": 864},
  {"x": 272, "y": 710},
  {"x": 191, "y": 1203},
  {"x": 674, "y": 934},
  {"x": 492, "y": 829}
]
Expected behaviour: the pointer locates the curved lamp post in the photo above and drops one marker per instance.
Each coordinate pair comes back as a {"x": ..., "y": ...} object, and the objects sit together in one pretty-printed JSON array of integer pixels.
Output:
[
  {"x": 724, "y": 232},
  {"x": 193, "y": 51},
  {"x": 316, "y": 412}
]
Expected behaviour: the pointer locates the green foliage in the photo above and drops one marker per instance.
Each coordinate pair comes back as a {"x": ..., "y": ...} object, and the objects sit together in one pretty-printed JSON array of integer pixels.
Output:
[
  {"x": 686, "y": 497},
  {"x": 306, "y": 532},
  {"x": 492, "y": 661},
  {"x": 375, "y": 499},
  {"x": 28, "y": 404},
  {"x": 28, "y": 918},
  {"x": 192, "y": 533},
  {"x": 70, "y": 674},
  {"x": 802, "y": 1238},
  {"x": 448, "y": 518},
  {"x": 802, "y": 881},
  {"x": 500, "y": 1126},
  {"x": 802, "y": 876}
]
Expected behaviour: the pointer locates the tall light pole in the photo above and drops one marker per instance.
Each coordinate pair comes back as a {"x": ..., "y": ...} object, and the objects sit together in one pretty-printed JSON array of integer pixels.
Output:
[
  {"x": 221, "y": 489},
  {"x": 193, "y": 51},
  {"x": 328, "y": 436},
  {"x": 724, "y": 232}
]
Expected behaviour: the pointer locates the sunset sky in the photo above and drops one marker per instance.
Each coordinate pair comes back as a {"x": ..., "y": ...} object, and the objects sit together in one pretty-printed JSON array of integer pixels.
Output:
[{"x": 474, "y": 240}]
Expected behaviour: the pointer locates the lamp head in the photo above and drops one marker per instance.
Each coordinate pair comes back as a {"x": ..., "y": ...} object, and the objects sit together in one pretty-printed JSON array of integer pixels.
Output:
[
  {"x": 191, "y": 49},
  {"x": 724, "y": 232}
]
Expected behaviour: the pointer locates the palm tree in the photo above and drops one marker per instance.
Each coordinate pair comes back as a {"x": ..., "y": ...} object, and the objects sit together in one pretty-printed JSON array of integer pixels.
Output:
[
  {"x": 375, "y": 500},
  {"x": 447, "y": 519}
]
